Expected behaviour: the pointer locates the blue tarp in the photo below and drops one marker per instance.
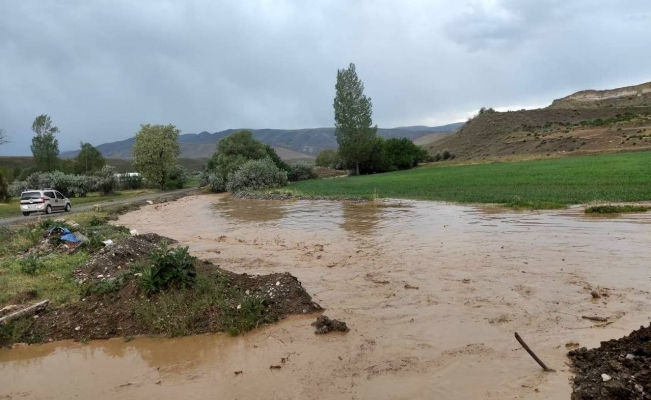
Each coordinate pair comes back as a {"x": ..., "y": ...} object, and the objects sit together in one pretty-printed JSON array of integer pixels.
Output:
[{"x": 65, "y": 233}]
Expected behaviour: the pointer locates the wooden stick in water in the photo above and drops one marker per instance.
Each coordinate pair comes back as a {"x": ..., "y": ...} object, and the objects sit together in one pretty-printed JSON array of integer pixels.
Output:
[{"x": 532, "y": 354}]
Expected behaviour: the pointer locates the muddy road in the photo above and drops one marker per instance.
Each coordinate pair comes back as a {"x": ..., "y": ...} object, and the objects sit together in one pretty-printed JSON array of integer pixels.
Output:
[{"x": 432, "y": 294}]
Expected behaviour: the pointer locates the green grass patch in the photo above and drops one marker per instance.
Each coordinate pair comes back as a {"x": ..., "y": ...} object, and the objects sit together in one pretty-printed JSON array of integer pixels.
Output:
[
  {"x": 209, "y": 306},
  {"x": 624, "y": 177},
  {"x": 611, "y": 209}
]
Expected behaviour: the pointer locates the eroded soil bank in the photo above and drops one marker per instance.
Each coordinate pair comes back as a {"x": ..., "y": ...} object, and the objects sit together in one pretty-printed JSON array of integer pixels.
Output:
[{"x": 432, "y": 294}]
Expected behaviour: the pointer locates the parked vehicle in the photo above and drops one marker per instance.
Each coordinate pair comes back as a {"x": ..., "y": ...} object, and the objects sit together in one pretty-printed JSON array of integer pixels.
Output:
[{"x": 44, "y": 200}]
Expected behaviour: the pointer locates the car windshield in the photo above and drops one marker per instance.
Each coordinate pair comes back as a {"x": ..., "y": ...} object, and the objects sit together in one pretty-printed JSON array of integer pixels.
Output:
[{"x": 30, "y": 195}]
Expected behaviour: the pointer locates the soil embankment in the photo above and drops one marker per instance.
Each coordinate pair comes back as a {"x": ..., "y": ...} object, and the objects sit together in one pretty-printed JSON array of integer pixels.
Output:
[{"x": 431, "y": 293}]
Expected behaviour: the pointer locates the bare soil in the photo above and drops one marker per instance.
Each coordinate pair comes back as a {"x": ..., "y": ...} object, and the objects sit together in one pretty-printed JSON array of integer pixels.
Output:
[{"x": 618, "y": 369}]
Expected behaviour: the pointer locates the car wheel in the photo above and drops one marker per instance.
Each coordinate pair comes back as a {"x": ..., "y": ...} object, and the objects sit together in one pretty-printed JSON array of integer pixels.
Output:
[
  {"x": 48, "y": 209},
  {"x": 68, "y": 207},
  {"x": 26, "y": 214}
]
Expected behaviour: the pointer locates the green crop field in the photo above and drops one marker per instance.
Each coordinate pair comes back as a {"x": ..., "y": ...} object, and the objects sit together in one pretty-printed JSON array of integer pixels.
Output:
[{"x": 540, "y": 184}]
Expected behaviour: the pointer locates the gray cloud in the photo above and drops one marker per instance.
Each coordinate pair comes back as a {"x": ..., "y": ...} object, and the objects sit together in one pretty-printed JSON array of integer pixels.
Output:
[{"x": 100, "y": 68}]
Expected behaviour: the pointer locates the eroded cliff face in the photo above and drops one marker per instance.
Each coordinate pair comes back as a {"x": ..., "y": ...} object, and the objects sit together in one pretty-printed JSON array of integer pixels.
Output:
[{"x": 639, "y": 95}]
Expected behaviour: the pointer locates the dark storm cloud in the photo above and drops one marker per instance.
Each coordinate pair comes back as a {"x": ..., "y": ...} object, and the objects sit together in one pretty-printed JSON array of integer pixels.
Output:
[{"x": 100, "y": 68}]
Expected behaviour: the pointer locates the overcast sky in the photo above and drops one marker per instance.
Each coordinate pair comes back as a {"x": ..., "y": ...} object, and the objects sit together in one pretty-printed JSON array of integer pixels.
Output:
[{"x": 101, "y": 68}]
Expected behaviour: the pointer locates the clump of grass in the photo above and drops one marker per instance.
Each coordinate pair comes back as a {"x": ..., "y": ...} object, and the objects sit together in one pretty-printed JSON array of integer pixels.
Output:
[
  {"x": 180, "y": 312},
  {"x": 101, "y": 288},
  {"x": 612, "y": 209},
  {"x": 520, "y": 204},
  {"x": 30, "y": 265},
  {"x": 96, "y": 221}
]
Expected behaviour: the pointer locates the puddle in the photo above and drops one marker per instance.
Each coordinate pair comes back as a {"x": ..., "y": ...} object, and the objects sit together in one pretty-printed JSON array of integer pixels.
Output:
[{"x": 480, "y": 276}]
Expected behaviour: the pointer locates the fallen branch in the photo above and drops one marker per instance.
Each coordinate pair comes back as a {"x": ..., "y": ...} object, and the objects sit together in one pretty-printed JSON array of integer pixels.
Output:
[
  {"x": 598, "y": 319},
  {"x": 28, "y": 310},
  {"x": 411, "y": 287},
  {"x": 532, "y": 354}
]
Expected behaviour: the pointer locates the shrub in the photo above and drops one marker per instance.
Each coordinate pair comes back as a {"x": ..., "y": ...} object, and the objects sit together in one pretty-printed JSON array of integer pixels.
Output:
[
  {"x": 130, "y": 181},
  {"x": 171, "y": 267},
  {"x": 446, "y": 154},
  {"x": 256, "y": 175},
  {"x": 30, "y": 265},
  {"x": 106, "y": 182},
  {"x": 301, "y": 171},
  {"x": 216, "y": 183},
  {"x": 438, "y": 157},
  {"x": 403, "y": 154},
  {"x": 327, "y": 158},
  {"x": 17, "y": 187},
  {"x": 177, "y": 176}
]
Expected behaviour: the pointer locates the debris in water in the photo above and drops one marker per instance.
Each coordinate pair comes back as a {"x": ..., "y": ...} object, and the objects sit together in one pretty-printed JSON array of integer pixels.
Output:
[
  {"x": 597, "y": 319},
  {"x": 275, "y": 367},
  {"x": 595, "y": 294},
  {"x": 324, "y": 325},
  {"x": 411, "y": 287},
  {"x": 238, "y": 372}
]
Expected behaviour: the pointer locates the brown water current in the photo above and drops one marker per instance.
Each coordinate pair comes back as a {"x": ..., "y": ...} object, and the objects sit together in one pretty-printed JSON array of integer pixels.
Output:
[{"x": 475, "y": 276}]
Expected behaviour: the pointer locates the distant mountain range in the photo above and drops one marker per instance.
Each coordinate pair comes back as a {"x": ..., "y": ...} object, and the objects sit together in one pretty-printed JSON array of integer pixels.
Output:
[{"x": 291, "y": 144}]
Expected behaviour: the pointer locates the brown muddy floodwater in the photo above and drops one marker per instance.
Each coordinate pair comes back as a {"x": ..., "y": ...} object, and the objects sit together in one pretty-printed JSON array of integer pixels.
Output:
[{"x": 480, "y": 275}]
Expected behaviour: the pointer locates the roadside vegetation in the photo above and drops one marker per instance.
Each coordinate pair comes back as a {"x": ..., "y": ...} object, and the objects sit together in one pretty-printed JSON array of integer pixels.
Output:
[{"x": 540, "y": 184}]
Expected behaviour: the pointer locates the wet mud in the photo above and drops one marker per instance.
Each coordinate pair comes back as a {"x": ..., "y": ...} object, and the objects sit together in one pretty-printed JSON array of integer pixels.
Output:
[{"x": 480, "y": 274}]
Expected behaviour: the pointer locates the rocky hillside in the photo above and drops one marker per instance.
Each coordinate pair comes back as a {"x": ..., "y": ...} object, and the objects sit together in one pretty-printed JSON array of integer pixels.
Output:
[
  {"x": 639, "y": 95},
  {"x": 290, "y": 143},
  {"x": 587, "y": 122}
]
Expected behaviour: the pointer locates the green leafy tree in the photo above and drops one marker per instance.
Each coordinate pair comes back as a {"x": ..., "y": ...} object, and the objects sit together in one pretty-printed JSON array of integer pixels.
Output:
[
  {"x": 45, "y": 146},
  {"x": 234, "y": 150},
  {"x": 353, "y": 123},
  {"x": 89, "y": 159},
  {"x": 155, "y": 151}
]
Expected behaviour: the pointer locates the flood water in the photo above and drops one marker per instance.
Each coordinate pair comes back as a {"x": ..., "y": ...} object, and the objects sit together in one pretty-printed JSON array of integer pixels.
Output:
[{"x": 432, "y": 293}]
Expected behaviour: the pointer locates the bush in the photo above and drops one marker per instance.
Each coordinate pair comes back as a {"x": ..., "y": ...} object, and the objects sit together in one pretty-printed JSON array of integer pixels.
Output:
[
  {"x": 171, "y": 267},
  {"x": 256, "y": 175},
  {"x": 177, "y": 176},
  {"x": 446, "y": 154},
  {"x": 438, "y": 157},
  {"x": 271, "y": 153},
  {"x": 106, "y": 182},
  {"x": 30, "y": 265},
  {"x": 327, "y": 158},
  {"x": 130, "y": 181},
  {"x": 216, "y": 183},
  {"x": 393, "y": 155},
  {"x": 301, "y": 171}
]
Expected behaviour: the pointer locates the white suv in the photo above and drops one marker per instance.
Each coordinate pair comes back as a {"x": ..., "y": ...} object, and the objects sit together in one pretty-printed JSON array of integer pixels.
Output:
[{"x": 45, "y": 200}]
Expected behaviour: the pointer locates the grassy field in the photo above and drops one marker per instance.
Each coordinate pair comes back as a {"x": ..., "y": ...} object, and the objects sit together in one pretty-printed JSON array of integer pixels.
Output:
[
  {"x": 536, "y": 184},
  {"x": 12, "y": 209}
]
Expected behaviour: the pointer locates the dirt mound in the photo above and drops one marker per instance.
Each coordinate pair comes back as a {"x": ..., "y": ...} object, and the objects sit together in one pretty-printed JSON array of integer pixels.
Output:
[
  {"x": 324, "y": 325},
  {"x": 224, "y": 301},
  {"x": 618, "y": 369},
  {"x": 115, "y": 258},
  {"x": 283, "y": 293}
]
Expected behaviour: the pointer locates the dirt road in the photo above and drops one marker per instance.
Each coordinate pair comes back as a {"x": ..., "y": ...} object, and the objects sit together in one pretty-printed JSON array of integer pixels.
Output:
[
  {"x": 432, "y": 294},
  {"x": 89, "y": 207}
]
